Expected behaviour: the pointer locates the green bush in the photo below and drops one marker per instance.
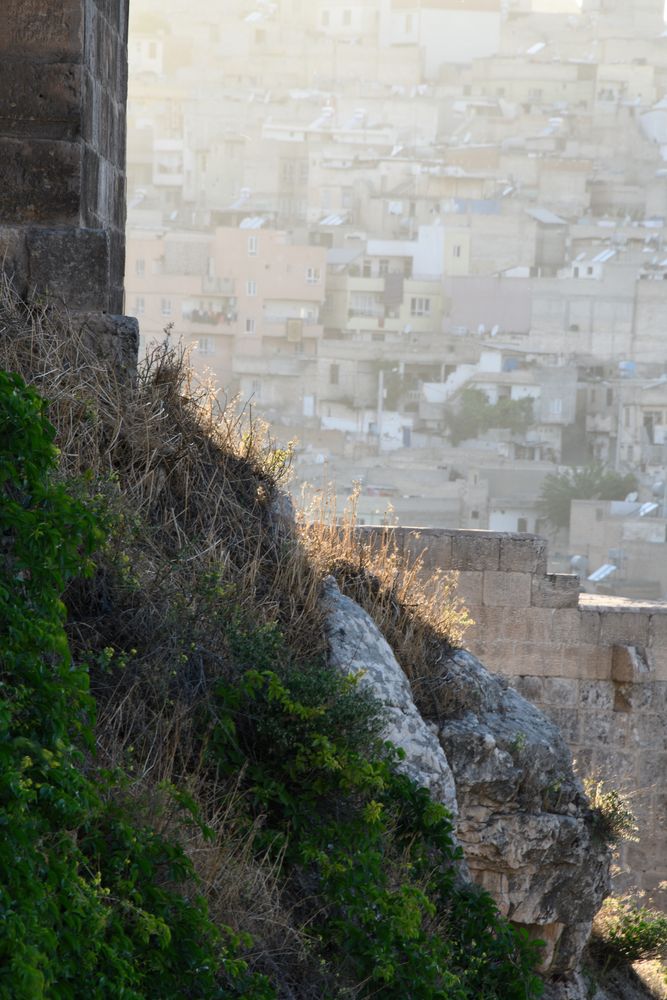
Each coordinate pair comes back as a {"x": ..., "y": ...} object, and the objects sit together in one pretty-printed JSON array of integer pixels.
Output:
[
  {"x": 628, "y": 932},
  {"x": 612, "y": 819},
  {"x": 377, "y": 853},
  {"x": 95, "y": 902},
  {"x": 89, "y": 896}
]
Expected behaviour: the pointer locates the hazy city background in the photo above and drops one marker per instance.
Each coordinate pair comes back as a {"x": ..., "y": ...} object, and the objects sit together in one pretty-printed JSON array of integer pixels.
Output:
[{"x": 427, "y": 239}]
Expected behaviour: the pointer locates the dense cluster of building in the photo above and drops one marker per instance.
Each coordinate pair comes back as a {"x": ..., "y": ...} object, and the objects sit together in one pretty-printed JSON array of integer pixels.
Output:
[{"x": 363, "y": 215}]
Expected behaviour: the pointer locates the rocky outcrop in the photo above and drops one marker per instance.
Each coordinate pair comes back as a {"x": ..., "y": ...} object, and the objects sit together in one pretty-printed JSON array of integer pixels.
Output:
[
  {"x": 524, "y": 820},
  {"x": 504, "y": 771},
  {"x": 355, "y": 644}
]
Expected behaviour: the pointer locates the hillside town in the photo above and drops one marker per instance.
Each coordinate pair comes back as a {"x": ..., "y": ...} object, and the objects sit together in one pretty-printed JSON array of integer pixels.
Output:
[{"x": 426, "y": 240}]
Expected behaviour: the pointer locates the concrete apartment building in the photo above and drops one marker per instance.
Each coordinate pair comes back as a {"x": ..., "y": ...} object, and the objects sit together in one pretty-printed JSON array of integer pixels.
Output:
[
  {"x": 246, "y": 300},
  {"x": 518, "y": 147}
]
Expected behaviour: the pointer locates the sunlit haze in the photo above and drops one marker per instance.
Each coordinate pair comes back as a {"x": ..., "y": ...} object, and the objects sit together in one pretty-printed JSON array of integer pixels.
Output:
[{"x": 426, "y": 240}]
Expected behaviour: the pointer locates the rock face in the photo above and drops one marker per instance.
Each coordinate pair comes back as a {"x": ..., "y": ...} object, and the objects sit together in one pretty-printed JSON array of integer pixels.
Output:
[
  {"x": 524, "y": 820},
  {"x": 506, "y": 774},
  {"x": 356, "y": 644}
]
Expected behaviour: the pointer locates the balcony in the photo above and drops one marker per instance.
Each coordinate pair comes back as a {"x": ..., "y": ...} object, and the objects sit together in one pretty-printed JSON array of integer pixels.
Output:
[
  {"x": 211, "y": 319},
  {"x": 218, "y": 286}
]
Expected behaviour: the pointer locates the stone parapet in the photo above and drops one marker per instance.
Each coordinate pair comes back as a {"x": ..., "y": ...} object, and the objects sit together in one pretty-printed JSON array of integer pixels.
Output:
[
  {"x": 596, "y": 665},
  {"x": 63, "y": 87}
]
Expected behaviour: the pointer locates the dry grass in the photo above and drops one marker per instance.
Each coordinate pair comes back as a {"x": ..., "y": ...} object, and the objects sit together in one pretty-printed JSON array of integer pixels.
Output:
[
  {"x": 191, "y": 491},
  {"x": 419, "y": 614}
]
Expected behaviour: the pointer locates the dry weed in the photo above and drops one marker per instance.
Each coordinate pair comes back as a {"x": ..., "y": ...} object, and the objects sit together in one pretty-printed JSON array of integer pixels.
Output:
[{"x": 419, "y": 614}]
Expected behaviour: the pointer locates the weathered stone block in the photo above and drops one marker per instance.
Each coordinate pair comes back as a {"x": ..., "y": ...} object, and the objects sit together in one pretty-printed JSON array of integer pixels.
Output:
[
  {"x": 475, "y": 550},
  {"x": 469, "y": 587},
  {"x": 658, "y": 629},
  {"x": 571, "y": 625},
  {"x": 586, "y": 662},
  {"x": 556, "y": 590},
  {"x": 624, "y": 628},
  {"x": 71, "y": 265},
  {"x": 533, "y": 625},
  {"x": 560, "y": 692},
  {"x": 599, "y": 728},
  {"x": 40, "y": 100},
  {"x": 567, "y": 720},
  {"x": 51, "y": 32},
  {"x": 537, "y": 660},
  {"x": 596, "y": 695},
  {"x": 434, "y": 546},
  {"x": 530, "y": 688},
  {"x": 657, "y": 657},
  {"x": 523, "y": 554},
  {"x": 512, "y": 590},
  {"x": 41, "y": 181}
]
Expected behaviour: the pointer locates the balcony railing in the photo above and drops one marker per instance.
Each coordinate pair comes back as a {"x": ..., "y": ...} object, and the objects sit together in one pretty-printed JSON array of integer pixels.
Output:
[
  {"x": 217, "y": 286},
  {"x": 211, "y": 318}
]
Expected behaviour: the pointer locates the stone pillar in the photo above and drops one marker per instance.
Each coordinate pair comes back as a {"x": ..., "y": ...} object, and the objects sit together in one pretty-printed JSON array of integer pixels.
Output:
[{"x": 63, "y": 88}]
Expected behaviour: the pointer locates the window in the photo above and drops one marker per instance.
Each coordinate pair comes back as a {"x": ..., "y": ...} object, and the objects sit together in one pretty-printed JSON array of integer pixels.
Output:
[
  {"x": 204, "y": 345},
  {"x": 152, "y": 50},
  {"x": 140, "y": 267},
  {"x": 334, "y": 374},
  {"x": 384, "y": 268},
  {"x": 139, "y": 306},
  {"x": 165, "y": 307},
  {"x": 347, "y": 17},
  {"x": 252, "y": 246},
  {"x": 610, "y": 397},
  {"x": 556, "y": 407},
  {"x": 522, "y": 524},
  {"x": 313, "y": 275},
  {"x": 408, "y": 23},
  {"x": 251, "y": 288},
  {"x": 420, "y": 306},
  {"x": 249, "y": 325},
  {"x": 456, "y": 250},
  {"x": 324, "y": 19}
]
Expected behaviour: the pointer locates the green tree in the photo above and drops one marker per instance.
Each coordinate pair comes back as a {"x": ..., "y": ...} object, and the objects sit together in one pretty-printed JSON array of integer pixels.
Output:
[
  {"x": 593, "y": 482},
  {"x": 474, "y": 415}
]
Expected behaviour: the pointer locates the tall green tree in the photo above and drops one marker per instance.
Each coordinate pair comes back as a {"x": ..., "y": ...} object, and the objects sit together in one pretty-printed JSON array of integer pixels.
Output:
[{"x": 593, "y": 482}]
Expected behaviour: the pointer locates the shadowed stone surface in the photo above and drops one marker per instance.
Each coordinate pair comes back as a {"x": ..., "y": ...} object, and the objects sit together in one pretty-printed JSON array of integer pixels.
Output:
[{"x": 63, "y": 87}]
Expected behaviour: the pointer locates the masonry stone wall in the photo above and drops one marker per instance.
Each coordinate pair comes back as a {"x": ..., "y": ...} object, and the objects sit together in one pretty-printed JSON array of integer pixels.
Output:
[
  {"x": 596, "y": 665},
  {"x": 63, "y": 87}
]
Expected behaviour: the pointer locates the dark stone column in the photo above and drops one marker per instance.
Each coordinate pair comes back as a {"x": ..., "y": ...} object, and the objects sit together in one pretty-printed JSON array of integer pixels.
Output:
[{"x": 63, "y": 88}]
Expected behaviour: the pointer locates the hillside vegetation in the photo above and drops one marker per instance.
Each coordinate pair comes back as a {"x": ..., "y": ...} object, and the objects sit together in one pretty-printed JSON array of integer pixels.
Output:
[{"x": 194, "y": 804}]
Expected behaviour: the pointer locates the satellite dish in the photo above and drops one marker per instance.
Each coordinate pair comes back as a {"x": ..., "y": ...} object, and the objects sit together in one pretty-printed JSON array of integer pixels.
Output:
[
  {"x": 658, "y": 489},
  {"x": 495, "y": 331},
  {"x": 632, "y": 497}
]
